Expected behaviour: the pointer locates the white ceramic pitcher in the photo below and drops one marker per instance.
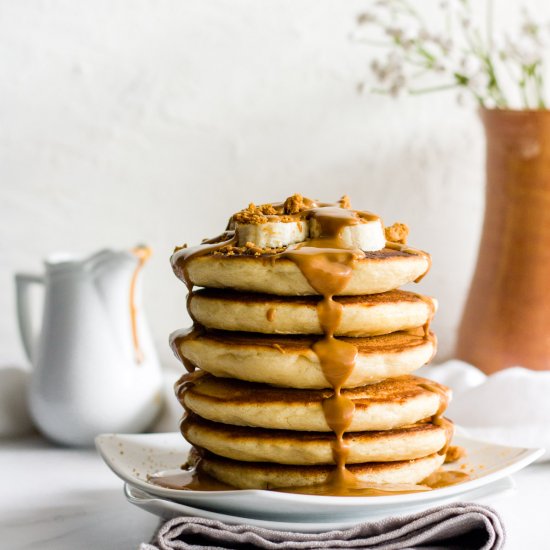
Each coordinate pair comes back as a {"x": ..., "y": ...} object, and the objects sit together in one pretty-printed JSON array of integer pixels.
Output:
[{"x": 95, "y": 368}]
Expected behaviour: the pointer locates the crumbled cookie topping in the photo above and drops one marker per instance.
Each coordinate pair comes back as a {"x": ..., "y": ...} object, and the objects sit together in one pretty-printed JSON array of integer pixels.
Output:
[
  {"x": 285, "y": 212},
  {"x": 296, "y": 204},
  {"x": 344, "y": 202},
  {"x": 397, "y": 233},
  {"x": 255, "y": 214}
]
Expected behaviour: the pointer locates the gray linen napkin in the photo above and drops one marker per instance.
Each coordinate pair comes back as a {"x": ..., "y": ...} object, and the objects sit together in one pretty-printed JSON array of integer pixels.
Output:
[{"x": 461, "y": 526}]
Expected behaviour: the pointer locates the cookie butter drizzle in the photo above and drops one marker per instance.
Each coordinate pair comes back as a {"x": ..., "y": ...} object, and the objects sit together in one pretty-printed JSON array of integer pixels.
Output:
[
  {"x": 143, "y": 253},
  {"x": 180, "y": 259},
  {"x": 180, "y": 336},
  {"x": 182, "y": 255},
  {"x": 327, "y": 265},
  {"x": 438, "y": 419},
  {"x": 408, "y": 250}
]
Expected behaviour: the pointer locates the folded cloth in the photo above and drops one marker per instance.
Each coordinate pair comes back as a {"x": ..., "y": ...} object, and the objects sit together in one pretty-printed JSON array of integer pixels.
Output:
[
  {"x": 510, "y": 407},
  {"x": 15, "y": 419},
  {"x": 461, "y": 526}
]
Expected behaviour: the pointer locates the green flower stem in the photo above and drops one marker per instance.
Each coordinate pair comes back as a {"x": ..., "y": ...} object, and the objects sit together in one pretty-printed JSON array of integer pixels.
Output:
[
  {"x": 539, "y": 85},
  {"x": 489, "y": 18},
  {"x": 494, "y": 86},
  {"x": 430, "y": 89},
  {"x": 523, "y": 91}
]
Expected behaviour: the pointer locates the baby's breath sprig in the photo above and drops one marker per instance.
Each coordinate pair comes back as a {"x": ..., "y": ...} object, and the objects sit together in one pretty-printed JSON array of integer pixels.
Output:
[{"x": 452, "y": 52}]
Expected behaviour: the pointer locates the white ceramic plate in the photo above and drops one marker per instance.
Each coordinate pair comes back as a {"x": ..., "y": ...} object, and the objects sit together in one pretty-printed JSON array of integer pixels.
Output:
[
  {"x": 134, "y": 457},
  {"x": 168, "y": 509}
]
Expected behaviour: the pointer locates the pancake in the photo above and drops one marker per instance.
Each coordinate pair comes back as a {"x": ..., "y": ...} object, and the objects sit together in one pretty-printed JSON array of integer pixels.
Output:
[
  {"x": 256, "y": 475},
  {"x": 378, "y": 272},
  {"x": 289, "y": 361},
  {"x": 384, "y": 406},
  {"x": 308, "y": 448},
  {"x": 367, "y": 315}
]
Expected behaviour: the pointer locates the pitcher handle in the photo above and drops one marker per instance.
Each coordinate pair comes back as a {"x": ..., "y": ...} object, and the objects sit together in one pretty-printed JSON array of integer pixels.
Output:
[{"x": 22, "y": 283}]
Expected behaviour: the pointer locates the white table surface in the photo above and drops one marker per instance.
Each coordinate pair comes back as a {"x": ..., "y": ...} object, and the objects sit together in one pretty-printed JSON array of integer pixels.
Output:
[{"x": 55, "y": 498}]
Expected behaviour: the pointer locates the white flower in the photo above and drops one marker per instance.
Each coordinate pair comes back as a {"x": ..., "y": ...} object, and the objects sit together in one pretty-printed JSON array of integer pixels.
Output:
[
  {"x": 524, "y": 50},
  {"x": 446, "y": 44},
  {"x": 423, "y": 34},
  {"x": 529, "y": 25},
  {"x": 479, "y": 83},
  {"x": 531, "y": 29},
  {"x": 389, "y": 70},
  {"x": 366, "y": 17},
  {"x": 398, "y": 85},
  {"x": 394, "y": 32},
  {"x": 445, "y": 64},
  {"x": 466, "y": 22},
  {"x": 451, "y": 45},
  {"x": 409, "y": 32},
  {"x": 405, "y": 36},
  {"x": 390, "y": 73},
  {"x": 469, "y": 65}
]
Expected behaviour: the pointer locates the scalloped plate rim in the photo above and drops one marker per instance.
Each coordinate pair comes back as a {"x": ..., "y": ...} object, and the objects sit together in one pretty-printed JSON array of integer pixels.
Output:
[{"x": 225, "y": 500}]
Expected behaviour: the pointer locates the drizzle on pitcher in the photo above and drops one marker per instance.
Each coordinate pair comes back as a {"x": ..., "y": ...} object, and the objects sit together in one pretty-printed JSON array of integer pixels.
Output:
[{"x": 143, "y": 253}]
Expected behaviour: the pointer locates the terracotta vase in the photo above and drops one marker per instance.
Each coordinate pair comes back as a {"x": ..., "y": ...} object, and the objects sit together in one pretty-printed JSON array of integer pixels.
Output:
[{"x": 506, "y": 321}]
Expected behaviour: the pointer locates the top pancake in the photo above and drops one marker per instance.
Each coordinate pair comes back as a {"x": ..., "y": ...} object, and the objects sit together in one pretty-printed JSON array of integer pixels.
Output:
[{"x": 378, "y": 271}]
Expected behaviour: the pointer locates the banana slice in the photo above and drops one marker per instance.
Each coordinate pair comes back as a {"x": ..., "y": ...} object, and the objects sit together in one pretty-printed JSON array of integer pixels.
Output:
[
  {"x": 366, "y": 235},
  {"x": 272, "y": 234}
]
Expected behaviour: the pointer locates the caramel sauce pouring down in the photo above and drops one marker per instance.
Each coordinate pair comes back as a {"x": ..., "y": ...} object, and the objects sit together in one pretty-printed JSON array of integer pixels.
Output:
[
  {"x": 143, "y": 253},
  {"x": 327, "y": 265}
]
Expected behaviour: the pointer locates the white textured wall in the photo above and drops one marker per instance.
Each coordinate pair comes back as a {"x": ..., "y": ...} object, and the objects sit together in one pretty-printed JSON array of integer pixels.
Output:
[{"x": 152, "y": 121}]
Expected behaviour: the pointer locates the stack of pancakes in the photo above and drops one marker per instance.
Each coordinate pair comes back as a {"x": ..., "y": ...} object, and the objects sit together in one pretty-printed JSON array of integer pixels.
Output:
[{"x": 260, "y": 400}]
